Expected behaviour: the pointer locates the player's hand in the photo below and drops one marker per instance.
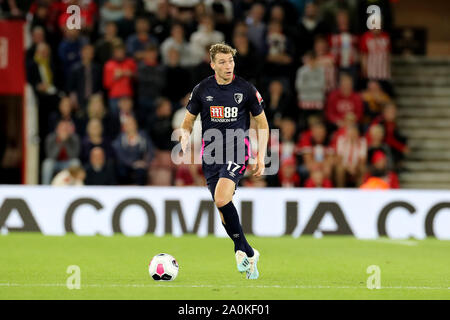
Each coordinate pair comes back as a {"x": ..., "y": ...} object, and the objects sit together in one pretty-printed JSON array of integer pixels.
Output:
[
  {"x": 184, "y": 140},
  {"x": 258, "y": 168}
]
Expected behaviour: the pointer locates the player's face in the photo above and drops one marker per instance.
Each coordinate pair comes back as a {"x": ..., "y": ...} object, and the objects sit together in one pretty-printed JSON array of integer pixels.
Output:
[{"x": 223, "y": 66}]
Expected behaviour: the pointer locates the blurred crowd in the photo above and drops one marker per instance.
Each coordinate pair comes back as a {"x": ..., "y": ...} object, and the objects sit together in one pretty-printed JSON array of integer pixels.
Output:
[{"x": 109, "y": 95}]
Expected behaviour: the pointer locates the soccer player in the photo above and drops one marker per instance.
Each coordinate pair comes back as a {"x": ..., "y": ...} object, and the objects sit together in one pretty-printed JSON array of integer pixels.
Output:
[{"x": 225, "y": 102}]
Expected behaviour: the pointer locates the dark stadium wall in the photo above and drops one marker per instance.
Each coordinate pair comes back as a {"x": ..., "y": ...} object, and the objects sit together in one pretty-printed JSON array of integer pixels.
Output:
[{"x": 431, "y": 15}]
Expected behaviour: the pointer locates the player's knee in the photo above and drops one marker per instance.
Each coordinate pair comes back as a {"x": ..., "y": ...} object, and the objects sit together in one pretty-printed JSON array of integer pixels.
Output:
[{"x": 221, "y": 201}]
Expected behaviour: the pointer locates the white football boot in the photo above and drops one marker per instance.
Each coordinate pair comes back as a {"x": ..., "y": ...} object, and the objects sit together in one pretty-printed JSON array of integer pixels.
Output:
[
  {"x": 252, "y": 272},
  {"x": 243, "y": 263}
]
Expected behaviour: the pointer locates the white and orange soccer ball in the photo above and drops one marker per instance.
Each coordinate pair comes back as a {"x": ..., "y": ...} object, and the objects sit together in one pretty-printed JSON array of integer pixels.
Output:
[{"x": 163, "y": 267}]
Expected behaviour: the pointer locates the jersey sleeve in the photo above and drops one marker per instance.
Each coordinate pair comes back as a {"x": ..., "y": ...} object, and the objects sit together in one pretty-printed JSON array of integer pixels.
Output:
[
  {"x": 194, "y": 105},
  {"x": 255, "y": 101}
]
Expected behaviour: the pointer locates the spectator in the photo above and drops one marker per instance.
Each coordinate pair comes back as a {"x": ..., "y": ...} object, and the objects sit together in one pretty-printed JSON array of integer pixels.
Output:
[
  {"x": 342, "y": 101},
  {"x": 136, "y": 43},
  {"x": 161, "y": 134},
  {"x": 177, "y": 78},
  {"x": 393, "y": 138},
  {"x": 99, "y": 171},
  {"x": 85, "y": 78},
  {"x": 125, "y": 111},
  {"x": 202, "y": 70},
  {"x": 62, "y": 150},
  {"x": 278, "y": 104},
  {"x": 204, "y": 37},
  {"x": 311, "y": 86},
  {"x": 287, "y": 143},
  {"x": 317, "y": 179},
  {"x": 94, "y": 138},
  {"x": 118, "y": 76},
  {"x": 126, "y": 25},
  {"x": 160, "y": 125},
  {"x": 111, "y": 10},
  {"x": 151, "y": 77},
  {"x": 161, "y": 19},
  {"x": 288, "y": 175},
  {"x": 247, "y": 61},
  {"x": 96, "y": 110},
  {"x": 222, "y": 13},
  {"x": 65, "y": 112},
  {"x": 37, "y": 36},
  {"x": 309, "y": 27},
  {"x": 326, "y": 60},
  {"x": 72, "y": 176},
  {"x": 12, "y": 8},
  {"x": 42, "y": 77},
  {"x": 316, "y": 151},
  {"x": 69, "y": 49},
  {"x": 104, "y": 46},
  {"x": 280, "y": 51},
  {"x": 376, "y": 59},
  {"x": 133, "y": 153},
  {"x": 374, "y": 98},
  {"x": 379, "y": 176},
  {"x": 257, "y": 27},
  {"x": 177, "y": 41},
  {"x": 375, "y": 141},
  {"x": 351, "y": 158},
  {"x": 46, "y": 15},
  {"x": 344, "y": 46},
  {"x": 349, "y": 121}
]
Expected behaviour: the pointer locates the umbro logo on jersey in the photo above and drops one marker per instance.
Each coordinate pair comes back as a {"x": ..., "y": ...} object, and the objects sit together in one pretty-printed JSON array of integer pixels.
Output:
[
  {"x": 209, "y": 98},
  {"x": 238, "y": 97}
]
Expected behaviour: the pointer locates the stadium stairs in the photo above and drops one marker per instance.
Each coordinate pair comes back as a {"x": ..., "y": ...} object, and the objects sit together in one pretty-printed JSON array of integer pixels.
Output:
[{"x": 422, "y": 86}]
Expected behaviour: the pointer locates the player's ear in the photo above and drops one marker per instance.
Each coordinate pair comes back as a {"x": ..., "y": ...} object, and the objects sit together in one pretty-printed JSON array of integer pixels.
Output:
[{"x": 212, "y": 65}]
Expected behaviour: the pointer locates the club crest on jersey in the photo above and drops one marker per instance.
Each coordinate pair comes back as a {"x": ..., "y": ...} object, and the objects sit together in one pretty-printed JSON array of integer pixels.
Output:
[
  {"x": 216, "y": 112},
  {"x": 238, "y": 97}
]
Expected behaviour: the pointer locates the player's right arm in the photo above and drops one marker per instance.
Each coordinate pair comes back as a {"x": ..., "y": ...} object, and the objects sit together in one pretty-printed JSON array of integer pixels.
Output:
[
  {"x": 186, "y": 129},
  {"x": 193, "y": 108}
]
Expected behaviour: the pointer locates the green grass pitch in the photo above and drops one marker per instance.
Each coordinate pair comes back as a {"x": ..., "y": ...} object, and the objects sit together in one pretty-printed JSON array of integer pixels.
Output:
[{"x": 33, "y": 266}]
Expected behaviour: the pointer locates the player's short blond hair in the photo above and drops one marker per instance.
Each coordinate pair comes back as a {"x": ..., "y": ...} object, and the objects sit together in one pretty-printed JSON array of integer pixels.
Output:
[{"x": 220, "y": 48}]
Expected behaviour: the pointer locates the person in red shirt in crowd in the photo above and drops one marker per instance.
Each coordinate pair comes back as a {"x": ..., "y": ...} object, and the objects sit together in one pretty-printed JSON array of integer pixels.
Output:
[
  {"x": 288, "y": 175},
  {"x": 379, "y": 171},
  {"x": 393, "y": 138},
  {"x": 344, "y": 45},
  {"x": 317, "y": 178},
  {"x": 118, "y": 76},
  {"x": 349, "y": 121},
  {"x": 375, "y": 47},
  {"x": 342, "y": 101},
  {"x": 316, "y": 151},
  {"x": 351, "y": 158}
]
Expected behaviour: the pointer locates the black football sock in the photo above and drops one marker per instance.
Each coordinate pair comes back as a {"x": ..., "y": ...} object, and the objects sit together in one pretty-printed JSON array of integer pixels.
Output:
[{"x": 234, "y": 229}]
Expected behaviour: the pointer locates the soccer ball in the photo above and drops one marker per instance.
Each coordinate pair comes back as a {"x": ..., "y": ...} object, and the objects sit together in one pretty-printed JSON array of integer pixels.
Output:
[{"x": 163, "y": 267}]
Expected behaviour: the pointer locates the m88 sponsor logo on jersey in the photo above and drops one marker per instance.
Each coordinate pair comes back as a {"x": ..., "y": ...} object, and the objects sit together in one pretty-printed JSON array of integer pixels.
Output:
[{"x": 221, "y": 112}]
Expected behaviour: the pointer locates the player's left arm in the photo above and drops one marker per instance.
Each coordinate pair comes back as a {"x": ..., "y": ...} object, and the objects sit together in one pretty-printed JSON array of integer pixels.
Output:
[{"x": 262, "y": 127}]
